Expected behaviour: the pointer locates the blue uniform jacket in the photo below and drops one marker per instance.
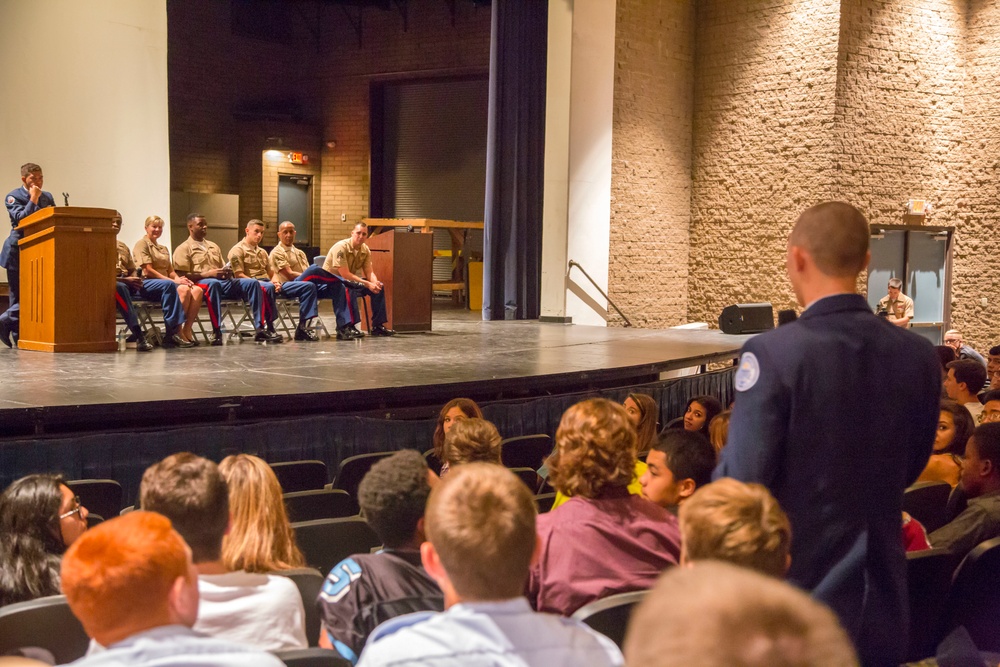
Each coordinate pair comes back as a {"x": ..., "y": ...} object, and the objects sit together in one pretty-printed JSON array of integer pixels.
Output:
[
  {"x": 836, "y": 413},
  {"x": 19, "y": 206}
]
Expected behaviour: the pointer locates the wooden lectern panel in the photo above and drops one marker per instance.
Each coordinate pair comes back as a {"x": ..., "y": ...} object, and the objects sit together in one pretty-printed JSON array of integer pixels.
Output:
[
  {"x": 68, "y": 280},
  {"x": 404, "y": 263}
]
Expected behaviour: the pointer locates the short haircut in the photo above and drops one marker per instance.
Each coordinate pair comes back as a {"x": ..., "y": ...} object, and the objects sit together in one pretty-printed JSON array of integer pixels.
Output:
[
  {"x": 689, "y": 455},
  {"x": 987, "y": 438},
  {"x": 718, "y": 430},
  {"x": 193, "y": 216},
  {"x": 191, "y": 492},
  {"x": 969, "y": 372},
  {"x": 991, "y": 395},
  {"x": 945, "y": 355},
  {"x": 835, "y": 234},
  {"x": 255, "y": 223},
  {"x": 468, "y": 408},
  {"x": 481, "y": 521},
  {"x": 29, "y": 168},
  {"x": 963, "y": 423},
  {"x": 994, "y": 351},
  {"x": 286, "y": 222},
  {"x": 895, "y": 283},
  {"x": 720, "y": 615},
  {"x": 360, "y": 224},
  {"x": 595, "y": 448},
  {"x": 472, "y": 441},
  {"x": 739, "y": 523},
  {"x": 121, "y": 570},
  {"x": 393, "y": 496}
]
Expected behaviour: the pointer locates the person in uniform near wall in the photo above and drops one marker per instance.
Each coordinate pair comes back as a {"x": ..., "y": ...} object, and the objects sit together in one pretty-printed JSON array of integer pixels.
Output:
[
  {"x": 813, "y": 398},
  {"x": 159, "y": 279},
  {"x": 128, "y": 283},
  {"x": 201, "y": 260},
  {"x": 351, "y": 259},
  {"x": 249, "y": 260},
  {"x": 896, "y": 306},
  {"x": 22, "y": 202},
  {"x": 290, "y": 263}
]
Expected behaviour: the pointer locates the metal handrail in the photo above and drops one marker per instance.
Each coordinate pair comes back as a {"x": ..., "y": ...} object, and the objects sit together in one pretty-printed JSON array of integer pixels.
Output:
[{"x": 618, "y": 310}]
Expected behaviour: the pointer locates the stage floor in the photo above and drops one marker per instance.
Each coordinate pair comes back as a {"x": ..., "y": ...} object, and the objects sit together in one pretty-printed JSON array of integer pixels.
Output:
[{"x": 56, "y": 391}]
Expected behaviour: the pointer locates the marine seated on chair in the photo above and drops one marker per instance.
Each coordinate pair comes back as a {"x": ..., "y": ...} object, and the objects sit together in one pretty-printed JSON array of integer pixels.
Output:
[
  {"x": 249, "y": 260},
  {"x": 201, "y": 260},
  {"x": 128, "y": 283},
  {"x": 351, "y": 260}
]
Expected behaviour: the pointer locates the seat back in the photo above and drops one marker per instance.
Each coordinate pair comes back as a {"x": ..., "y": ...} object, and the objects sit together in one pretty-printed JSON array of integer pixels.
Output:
[
  {"x": 319, "y": 504},
  {"x": 928, "y": 578},
  {"x": 354, "y": 468},
  {"x": 544, "y": 501},
  {"x": 927, "y": 502},
  {"x": 300, "y": 475},
  {"x": 309, "y": 583},
  {"x": 610, "y": 615},
  {"x": 433, "y": 462},
  {"x": 326, "y": 542},
  {"x": 974, "y": 601},
  {"x": 528, "y": 476},
  {"x": 526, "y": 451},
  {"x": 312, "y": 657},
  {"x": 45, "y": 623},
  {"x": 99, "y": 496}
]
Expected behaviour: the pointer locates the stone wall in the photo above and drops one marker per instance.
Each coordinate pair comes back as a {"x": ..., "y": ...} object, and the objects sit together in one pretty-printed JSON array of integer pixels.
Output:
[{"x": 651, "y": 161}]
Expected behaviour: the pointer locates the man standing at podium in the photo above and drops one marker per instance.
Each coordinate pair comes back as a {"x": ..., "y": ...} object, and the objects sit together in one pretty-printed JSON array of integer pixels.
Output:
[{"x": 21, "y": 203}]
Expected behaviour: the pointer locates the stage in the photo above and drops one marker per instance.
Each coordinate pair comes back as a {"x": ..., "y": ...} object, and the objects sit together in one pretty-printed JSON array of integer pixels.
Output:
[{"x": 330, "y": 399}]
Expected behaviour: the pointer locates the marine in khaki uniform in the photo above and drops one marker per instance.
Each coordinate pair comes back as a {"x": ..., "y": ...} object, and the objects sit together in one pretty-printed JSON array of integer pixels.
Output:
[
  {"x": 201, "y": 260},
  {"x": 126, "y": 281},
  {"x": 351, "y": 259},
  {"x": 288, "y": 263},
  {"x": 160, "y": 280},
  {"x": 249, "y": 260},
  {"x": 896, "y": 306}
]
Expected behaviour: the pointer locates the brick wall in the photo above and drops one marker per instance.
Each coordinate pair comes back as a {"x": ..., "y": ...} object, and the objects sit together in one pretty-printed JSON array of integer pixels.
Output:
[
  {"x": 651, "y": 161},
  {"x": 765, "y": 87}
]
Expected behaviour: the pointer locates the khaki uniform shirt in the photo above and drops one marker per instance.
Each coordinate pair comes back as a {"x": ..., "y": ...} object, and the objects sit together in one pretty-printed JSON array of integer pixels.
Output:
[
  {"x": 901, "y": 307},
  {"x": 343, "y": 254},
  {"x": 192, "y": 256},
  {"x": 147, "y": 252},
  {"x": 283, "y": 256},
  {"x": 126, "y": 265},
  {"x": 250, "y": 260}
]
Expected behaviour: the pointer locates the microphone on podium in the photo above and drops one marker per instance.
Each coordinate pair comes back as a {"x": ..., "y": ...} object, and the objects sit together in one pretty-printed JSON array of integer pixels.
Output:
[{"x": 65, "y": 198}]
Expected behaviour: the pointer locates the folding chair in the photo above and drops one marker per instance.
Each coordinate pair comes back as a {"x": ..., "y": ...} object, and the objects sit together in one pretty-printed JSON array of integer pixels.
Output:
[{"x": 288, "y": 319}]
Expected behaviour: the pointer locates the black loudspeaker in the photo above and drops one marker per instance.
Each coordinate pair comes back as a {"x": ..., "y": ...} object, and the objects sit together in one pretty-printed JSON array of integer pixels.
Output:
[{"x": 746, "y": 318}]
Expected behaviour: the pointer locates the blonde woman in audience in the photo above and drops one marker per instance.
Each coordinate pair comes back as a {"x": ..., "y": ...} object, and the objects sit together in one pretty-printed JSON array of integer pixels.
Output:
[
  {"x": 260, "y": 537},
  {"x": 470, "y": 441},
  {"x": 603, "y": 540},
  {"x": 955, "y": 425},
  {"x": 154, "y": 260},
  {"x": 718, "y": 430},
  {"x": 644, "y": 414}
]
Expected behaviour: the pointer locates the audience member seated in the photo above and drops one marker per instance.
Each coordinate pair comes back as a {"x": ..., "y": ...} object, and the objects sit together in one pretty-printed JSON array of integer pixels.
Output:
[
  {"x": 953, "y": 339},
  {"x": 644, "y": 414},
  {"x": 991, "y": 406},
  {"x": 471, "y": 441},
  {"x": 680, "y": 462},
  {"x": 131, "y": 583},
  {"x": 914, "y": 535},
  {"x": 453, "y": 411},
  {"x": 254, "y": 609},
  {"x": 260, "y": 538},
  {"x": 993, "y": 368},
  {"x": 980, "y": 520},
  {"x": 720, "y": 615},
  {"x": 367, "y": 589},
  {"x": 603, "y": 540},
  {"x": 39, "y": 518},
  {"x": 739, "y": 523},
  {"x": 699, "y": 413},
  {"x": 718, "y": 430},
  {"x": 946, "y": 355},
  {"x": 481, "y": 538},
  {"x": 962, "y": 384},
  {"x": 955, "y": 425}
]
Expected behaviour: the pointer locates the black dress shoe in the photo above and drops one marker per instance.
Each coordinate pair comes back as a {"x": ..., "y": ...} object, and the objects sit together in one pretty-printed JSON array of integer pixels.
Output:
[
  {"x": 356, "y": 332},
  {"x": 5, "y": 333},
  {"x": 216, "y": 339},
  {"x": 263, "y": 336},
  {"x": 381, "y": 330},
  {"x": 306, "y": 334},
  {"x": 143, "y": 345},
  {"x": 346, "y": 333},
  {"x": 175, "y": 340}
]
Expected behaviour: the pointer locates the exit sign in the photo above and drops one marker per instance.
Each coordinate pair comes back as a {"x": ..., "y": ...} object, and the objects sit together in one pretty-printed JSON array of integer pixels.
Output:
[{"x": 298, "y": 158}]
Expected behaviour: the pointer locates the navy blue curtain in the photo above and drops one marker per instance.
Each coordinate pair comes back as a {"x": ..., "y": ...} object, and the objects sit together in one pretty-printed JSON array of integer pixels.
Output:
[{"x": 515, "y": 146}]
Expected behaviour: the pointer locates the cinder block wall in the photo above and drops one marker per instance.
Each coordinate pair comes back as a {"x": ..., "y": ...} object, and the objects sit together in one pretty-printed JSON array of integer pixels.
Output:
[{"x": 651, "y": 161}]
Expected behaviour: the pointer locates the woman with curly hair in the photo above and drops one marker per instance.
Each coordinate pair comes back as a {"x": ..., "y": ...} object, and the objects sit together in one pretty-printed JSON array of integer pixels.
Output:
[
  {"x": 39, "y": 518},
  {"x": 260, "y": 538},
  {"x": 603, "y": 540}
]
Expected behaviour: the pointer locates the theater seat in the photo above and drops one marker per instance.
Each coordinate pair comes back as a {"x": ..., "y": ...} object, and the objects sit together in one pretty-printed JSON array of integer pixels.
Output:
[
  {"x": 974, "y": 601},
  {"x": 300, "y": 475},
  {"x": 928, "y": 578},
  {"x": 526, "y": 451},
  {"x": 353, "y": 469},
  {"x": 544, "y": 501},
  {"x": 309, "y": 583},
  {"x": 45, "y": 623},
  {"x": 528, "y": 476},
  {"x": 927, "y": 502},
  {"x": 312, "y": 657},
  {"x": 99, "y": 496},
  {"x": 610, "y": 615},
  {"x": 319, "y": 504},
  {"x": 326, "y": 542}
]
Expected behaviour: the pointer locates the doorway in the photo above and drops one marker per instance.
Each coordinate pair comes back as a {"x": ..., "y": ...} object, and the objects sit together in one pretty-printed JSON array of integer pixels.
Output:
[
  {"x": 921, "y": 258},
  {"x": 295, "y": 205}
]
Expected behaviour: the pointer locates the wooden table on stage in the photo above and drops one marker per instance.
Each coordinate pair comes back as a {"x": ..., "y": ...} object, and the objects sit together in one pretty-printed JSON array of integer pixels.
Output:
[{"x": 456, "y": 229}]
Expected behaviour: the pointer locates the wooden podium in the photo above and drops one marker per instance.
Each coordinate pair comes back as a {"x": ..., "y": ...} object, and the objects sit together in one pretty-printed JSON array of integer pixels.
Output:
[
  {"x": 404, "y": 263},
  {"x": 68, "y": 261}
]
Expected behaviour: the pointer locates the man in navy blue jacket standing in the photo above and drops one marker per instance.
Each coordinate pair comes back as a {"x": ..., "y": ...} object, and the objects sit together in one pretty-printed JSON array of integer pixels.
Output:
[
  {"x": 835, "y": 413},
  {"x": 21, "y": 203}
]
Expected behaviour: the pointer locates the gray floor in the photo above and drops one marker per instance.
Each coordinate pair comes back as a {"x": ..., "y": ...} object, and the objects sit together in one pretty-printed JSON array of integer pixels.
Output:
[{"x": 460, "y": 349}]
